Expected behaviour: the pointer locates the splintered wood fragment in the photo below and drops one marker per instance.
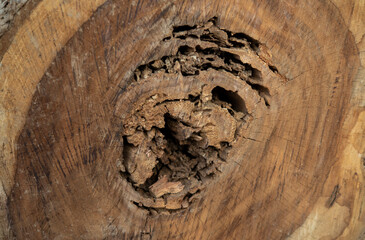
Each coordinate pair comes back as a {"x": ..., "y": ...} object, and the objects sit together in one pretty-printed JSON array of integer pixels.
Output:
[
  {"x": 173, "y": 203},
  {"x": 162, "y": 187}
]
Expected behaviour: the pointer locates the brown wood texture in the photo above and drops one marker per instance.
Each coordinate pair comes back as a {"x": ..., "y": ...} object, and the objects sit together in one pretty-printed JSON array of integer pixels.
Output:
[{"x": 183, "y": 120}]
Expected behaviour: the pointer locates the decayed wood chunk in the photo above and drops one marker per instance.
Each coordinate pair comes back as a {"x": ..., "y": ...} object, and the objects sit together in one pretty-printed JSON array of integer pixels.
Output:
[
  {"x": 163, "y": 186},
  {"x": 140, "y": 162}
]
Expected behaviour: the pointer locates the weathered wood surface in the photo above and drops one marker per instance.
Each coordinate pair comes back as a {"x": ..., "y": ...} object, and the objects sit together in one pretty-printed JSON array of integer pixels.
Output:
[
  {"x": 7, "y": 11},
  {"x": 183, "y": 120}
]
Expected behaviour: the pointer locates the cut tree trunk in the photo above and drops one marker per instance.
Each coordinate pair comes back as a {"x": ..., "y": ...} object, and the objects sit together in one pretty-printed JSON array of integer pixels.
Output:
[{"x": 183, "y": 120}]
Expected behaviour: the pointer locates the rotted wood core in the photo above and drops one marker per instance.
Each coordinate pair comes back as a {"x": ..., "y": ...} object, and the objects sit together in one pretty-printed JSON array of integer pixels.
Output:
[{"x": 190, "y": 112}]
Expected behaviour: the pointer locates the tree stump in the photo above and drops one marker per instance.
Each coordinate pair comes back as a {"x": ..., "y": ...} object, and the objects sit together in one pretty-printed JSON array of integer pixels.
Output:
[{"x": 183, "y": 120}]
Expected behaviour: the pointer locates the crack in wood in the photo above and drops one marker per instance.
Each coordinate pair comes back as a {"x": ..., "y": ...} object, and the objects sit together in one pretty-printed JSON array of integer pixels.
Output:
[{"x": 335, "y": 193}]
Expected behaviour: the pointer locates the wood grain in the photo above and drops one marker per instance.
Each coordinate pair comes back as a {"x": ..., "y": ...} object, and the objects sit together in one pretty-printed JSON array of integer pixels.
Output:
[
  {"x": 35, "y": 44},
  {"x": 67, "y": 82}
]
